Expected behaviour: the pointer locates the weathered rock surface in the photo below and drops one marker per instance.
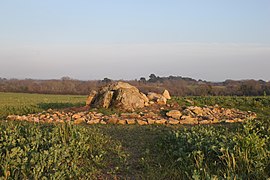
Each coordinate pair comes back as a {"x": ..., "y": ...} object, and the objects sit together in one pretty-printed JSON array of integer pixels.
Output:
[
  {"x": 124, "y": 96},
  {"x": 162, "y": 100},
  {"x": 142, "y": 122},
  {"x": 174, "y": 114},
  {"x": 131, "y": 121},
  {"x": 79, "y": 121},
  {"x": 153, "y": 96},
  {"x": 90, "y": 97},
  {"x": 190, "y": 121},
  {"x": 161, "y": 121},
  {"x": 119, "y": 95},
  {"x": 173, "y": 121},
  {"x": 166, "y": 94}
]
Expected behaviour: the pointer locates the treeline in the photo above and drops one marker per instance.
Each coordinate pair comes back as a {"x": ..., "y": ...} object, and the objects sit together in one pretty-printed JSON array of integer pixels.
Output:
[{"x": 177, "y": 85}]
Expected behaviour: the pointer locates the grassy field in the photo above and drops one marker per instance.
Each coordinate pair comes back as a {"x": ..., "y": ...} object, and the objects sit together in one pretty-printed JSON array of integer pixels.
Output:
[
  {"x": 19, "y": 103},
  {"x": 42, "y": 151}
]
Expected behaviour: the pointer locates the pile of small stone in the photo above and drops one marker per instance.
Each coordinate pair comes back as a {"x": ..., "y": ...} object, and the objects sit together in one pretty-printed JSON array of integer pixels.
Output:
[
  {"x": 210, "y": 115},
  {"x": 190, "y": 115}
]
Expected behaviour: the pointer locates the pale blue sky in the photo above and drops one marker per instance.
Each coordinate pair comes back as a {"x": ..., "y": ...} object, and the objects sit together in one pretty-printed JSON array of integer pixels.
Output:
[{"x": 126, "y": 39}]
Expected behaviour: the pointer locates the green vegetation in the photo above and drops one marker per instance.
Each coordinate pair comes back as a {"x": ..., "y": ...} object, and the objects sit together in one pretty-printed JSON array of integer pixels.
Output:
[
  {"x": 238, "y": 151},
  {"x": 36, "y": 151},
  {"x": 176, "y": 85},
  {"x": 40, "y": 151},
  {"x": 207, "y": 152},
  {"x": 20, "y": 103}
]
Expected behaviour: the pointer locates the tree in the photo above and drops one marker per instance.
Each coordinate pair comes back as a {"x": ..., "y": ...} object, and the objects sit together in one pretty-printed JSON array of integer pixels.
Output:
[
  {"x": 142, "y": 79},
  {"x": 106, "y": 80},
  {"x": 153, "y": 78},
  {"x": 66, "y": 78}
]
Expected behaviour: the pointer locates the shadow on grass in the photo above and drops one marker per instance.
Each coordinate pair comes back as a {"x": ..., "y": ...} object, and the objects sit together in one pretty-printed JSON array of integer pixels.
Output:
[{"x": 46, "y": 106}]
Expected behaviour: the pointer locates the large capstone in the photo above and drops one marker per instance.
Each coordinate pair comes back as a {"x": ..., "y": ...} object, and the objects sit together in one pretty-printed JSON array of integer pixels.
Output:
[{"x": 118, "y": 95}]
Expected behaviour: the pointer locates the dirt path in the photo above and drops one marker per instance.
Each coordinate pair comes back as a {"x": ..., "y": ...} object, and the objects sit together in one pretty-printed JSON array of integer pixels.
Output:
[{"x": 140, "y": 143}]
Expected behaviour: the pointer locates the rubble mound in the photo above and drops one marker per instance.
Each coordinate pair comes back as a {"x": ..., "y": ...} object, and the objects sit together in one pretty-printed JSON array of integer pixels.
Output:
[
  {"x": 209, "y": 115},
  {"x": 191, "y": 115}
]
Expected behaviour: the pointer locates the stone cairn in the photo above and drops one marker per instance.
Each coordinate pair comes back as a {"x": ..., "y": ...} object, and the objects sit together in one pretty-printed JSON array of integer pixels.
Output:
[{"x": 128, "y": 98}]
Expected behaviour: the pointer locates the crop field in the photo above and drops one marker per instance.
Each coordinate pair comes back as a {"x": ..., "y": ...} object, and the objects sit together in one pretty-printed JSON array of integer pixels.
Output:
[{"x": 63, "y": 151}]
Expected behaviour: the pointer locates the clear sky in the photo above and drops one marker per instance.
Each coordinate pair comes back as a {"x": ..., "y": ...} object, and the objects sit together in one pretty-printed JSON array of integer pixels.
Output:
[{"x": 127, "y": 39}]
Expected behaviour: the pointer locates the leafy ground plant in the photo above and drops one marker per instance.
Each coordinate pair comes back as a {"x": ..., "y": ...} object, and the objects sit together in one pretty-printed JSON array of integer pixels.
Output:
[
  {"x": 208, "y": 152},
  {"x": 35, "y": 151}
]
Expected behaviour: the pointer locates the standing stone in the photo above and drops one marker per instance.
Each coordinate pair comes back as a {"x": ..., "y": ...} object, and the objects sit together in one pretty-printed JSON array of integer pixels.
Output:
[
  {"x": 107, "y": 99},
  {"x": 90, "y": 97},
  {"x": 128, "y": 99},
  {"x": 166, "y": 94}
]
